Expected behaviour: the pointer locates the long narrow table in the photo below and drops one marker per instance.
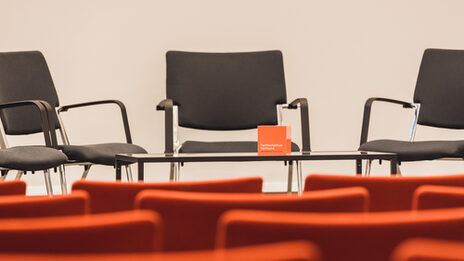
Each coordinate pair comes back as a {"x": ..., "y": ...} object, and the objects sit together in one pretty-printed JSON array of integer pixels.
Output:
[{"x": 358, "y": 156}]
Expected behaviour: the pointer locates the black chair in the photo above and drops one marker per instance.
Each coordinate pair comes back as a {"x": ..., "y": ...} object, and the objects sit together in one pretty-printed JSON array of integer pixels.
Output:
[
  {"x": 438, "y": 102},
  {"x": 226, "y": 91},
  {"x": 25, "y": 75},
  {"x": 28, "y": 158}
]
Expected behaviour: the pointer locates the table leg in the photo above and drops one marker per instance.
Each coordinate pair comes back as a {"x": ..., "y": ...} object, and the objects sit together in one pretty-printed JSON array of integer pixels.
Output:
[
  {"x": 290, "y": 176},
  {"x": 118, "y": 169},
  {"x": 358, "y": 167},
  {"x": 299, "y": 174},
  {"x": 140, "y": 167},
  {"x": 393, "y": 166}
]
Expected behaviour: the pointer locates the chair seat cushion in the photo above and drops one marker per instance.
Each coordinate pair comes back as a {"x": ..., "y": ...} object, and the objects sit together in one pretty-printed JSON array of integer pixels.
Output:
[
  {"x": 223, "y": 146},
  {"x": 31, "y": 158},
  {"x": 417, "y": 150},
  {"x": 103, "y": 153}
]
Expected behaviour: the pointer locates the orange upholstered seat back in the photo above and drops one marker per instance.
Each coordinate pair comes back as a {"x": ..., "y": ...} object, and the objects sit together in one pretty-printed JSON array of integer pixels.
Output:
[
  {"x": 386, "y": 193},
  {"x": 122, "y": 232},
  {"x": 421, "y": 249},
  {"x": 117, "y": 196},
  {"x": 190, "y": 219},
  {"x": 431, "y": 196},
  {"x": 286, "y": 251},
  {"x": 16, "y": 187},
  {"x": 347, "y": 237},
  {"x": 76, "y": 203}
]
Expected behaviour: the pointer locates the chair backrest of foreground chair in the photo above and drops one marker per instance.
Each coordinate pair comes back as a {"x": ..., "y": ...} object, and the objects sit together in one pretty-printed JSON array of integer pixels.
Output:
[
  {"x": 422, "y": 249},
  {"x": 432, "y": 196},
  {"x": 19, "y": 206},
  {"x": 284, "y": 251},
  {"x": 190, "y": 218},
  {"x": 348, "y": 237},
  {"x": 117, "y": 196},
  {"x": 386, "y": 193},
  {"x": 122, "y": 232},
  {"x": 16, "y": 187}
]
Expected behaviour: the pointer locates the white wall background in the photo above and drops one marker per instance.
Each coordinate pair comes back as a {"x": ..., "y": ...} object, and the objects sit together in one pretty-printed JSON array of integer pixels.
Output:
[{"x": 336, "y": 53}]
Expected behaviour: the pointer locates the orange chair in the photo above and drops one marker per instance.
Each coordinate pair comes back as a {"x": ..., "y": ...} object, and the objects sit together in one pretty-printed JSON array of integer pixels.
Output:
[
  {"x": 421, "y": 249},
  {"x": 117, "y": 196},
  {"x": 122, "y": 232},
  {"x": 16, "y": 187},
  {"x": 286, "y": 251},
  {"x": 386, "y": 193},
  {"x": 76, "y": 203},
  {"x": 431, "y": 196},
  {"x": 190, "y": 219},
  {"x": 347, "y": 237}
]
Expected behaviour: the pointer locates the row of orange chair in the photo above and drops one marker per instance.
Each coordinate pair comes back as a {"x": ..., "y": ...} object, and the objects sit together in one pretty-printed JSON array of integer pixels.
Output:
[
  {"x": 386, "y": 193},
  {"x": 187, "y": 221}
]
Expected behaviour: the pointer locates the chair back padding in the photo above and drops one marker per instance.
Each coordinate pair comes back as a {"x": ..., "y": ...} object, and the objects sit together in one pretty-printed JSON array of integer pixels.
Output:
[
  {"x": 347, "y": 237},
  {"x": 25, "y": 76},
  {"x": 423, "y": 249},
  {"x": 18, "y": 206},
  {"x": 386, "y": 193},
  {"x": 122, "y": 232},
  {"x": 117, "y": 196},
  {"x": 440, "y": 88},
  {"x": 15, "y": 187},
  {"x": 432, "y": 196},
  {"x": 283, "y": 251},
  {"x": 226, "y": 91},
  {"x": 190, "y": 218}
]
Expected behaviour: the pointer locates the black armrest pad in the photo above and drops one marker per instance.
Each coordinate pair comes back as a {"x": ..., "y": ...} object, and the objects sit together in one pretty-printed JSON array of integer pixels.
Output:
[
  {"x": 163, "y": 104},
  {"x": 166, "y": 105},
  {"x": 294, "y": 104},
  {"x": 117, "y": 102},
  {"x": 370, "y": 101},
  {"x": 304, "y": 114},
  {"x": 367, "y": 113},
  {"x": 85, "y": 104}
]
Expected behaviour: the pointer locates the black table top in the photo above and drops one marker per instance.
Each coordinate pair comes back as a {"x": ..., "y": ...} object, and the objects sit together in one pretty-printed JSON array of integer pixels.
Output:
[{"x": 253, "y": 156}]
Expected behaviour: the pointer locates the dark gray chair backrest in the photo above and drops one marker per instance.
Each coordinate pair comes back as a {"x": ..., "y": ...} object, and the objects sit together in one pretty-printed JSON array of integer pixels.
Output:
[
  {"x": 440, "y": 89},
  {"x": 24, "y": 76},
  {"x": 226, "y": 91}
]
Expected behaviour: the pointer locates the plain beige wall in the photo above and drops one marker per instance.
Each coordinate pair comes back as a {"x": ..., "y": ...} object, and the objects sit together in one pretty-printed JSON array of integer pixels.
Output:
[{"x": 336, "y": 53}]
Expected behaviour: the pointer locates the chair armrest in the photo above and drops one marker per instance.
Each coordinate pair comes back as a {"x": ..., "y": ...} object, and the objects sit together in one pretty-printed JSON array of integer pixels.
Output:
[
  {"x": 167, "y": 105},
  {"x": 119, "y": 103},
  {"x": 51, "y": 120},
  {"x": 304, "y": 112},
  {"x": 367, "y": 113},
  {"x": 43, "y": 115}
]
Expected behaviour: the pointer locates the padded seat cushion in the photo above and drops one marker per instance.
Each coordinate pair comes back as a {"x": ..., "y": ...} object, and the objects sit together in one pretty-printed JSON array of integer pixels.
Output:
[
  {"x": 30, "y": 158},
  {"x": 103, "y": 153},
  {"x": 223, "y": 147},
  {"x": 417, "y": 150}
]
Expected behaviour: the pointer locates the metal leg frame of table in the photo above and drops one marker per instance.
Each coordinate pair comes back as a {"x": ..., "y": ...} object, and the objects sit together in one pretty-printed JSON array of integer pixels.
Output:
[{"x": 393, "y": 166}]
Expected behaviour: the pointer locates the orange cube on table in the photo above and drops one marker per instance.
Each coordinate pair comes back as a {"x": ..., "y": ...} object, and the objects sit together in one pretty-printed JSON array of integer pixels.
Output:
[{"x": 274, "y": 140}]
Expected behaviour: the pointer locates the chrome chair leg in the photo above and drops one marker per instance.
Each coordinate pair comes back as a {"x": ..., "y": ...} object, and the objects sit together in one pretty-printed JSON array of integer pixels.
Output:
[
  {"x": 86, "y": 171},
  {"x": 64, "y": 185},
  {"x": 129, "y": 173},
  {"x": 290, "y": 177},
  {"x": 19, "y": 174},
  {"x": 299, "y": 175},
  {"x": 48, "y": 182},
  {"x": 398, "y": 170},
  {"x": 368, "y": 168}
]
